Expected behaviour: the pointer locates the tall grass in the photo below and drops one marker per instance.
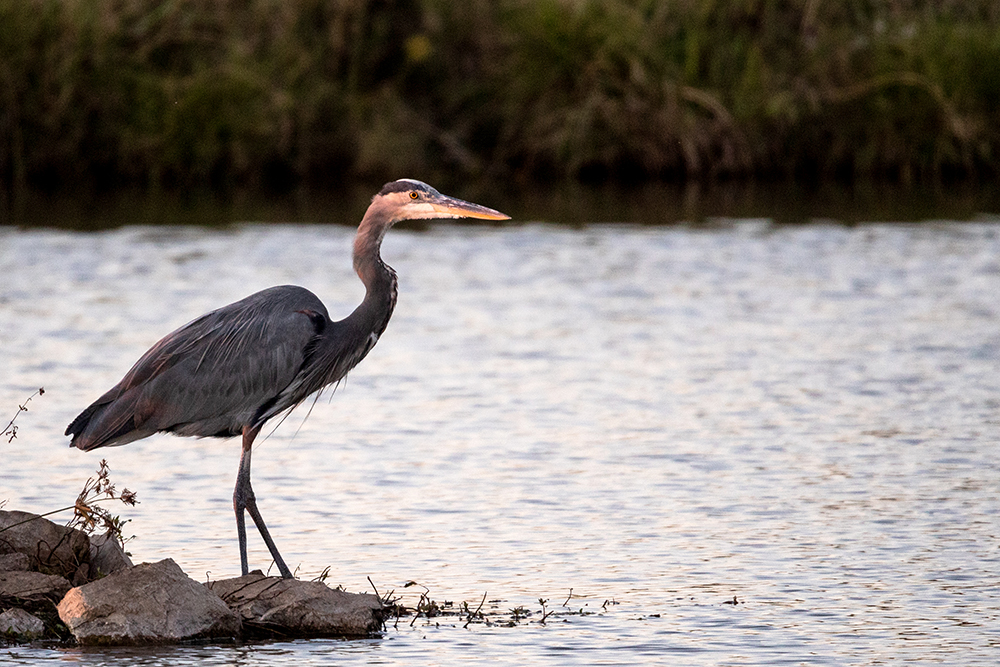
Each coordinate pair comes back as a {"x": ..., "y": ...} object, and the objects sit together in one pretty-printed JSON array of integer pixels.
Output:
[{"x": 280, "y": 93}]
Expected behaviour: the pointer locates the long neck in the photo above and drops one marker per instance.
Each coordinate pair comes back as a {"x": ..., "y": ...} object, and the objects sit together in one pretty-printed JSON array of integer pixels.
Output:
[
  {"x": 379, "y": 279},
  {"x": 343, "y": 346}
]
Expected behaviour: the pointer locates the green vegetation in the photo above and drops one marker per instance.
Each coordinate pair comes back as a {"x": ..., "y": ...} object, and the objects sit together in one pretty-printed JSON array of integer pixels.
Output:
[{"x": 277, "y": 94}]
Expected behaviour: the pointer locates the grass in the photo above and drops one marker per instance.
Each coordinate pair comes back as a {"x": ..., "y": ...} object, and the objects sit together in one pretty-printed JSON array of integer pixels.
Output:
[{"x": 278, "y": 95}]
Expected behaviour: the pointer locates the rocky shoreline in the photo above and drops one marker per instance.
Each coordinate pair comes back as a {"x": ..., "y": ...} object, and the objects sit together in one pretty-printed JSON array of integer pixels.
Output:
[{"x": 58, "y": 583}]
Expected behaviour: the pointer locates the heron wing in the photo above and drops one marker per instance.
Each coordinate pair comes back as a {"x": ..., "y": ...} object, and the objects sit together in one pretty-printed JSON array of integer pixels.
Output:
[{"x": 212, "y": 376}]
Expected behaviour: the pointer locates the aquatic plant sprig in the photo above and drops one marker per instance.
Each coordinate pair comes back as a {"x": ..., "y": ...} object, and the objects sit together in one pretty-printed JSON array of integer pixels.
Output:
[
  {"x": 429, "y": 608},
  {"x": 474, "y": 615},
  {"x": 425, "y": 605},
  {"x": 545, "y": 614}
]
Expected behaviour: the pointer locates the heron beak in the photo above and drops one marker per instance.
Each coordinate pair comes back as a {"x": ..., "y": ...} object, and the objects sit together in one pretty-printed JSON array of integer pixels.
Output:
[{"x": 450, "y": 207}]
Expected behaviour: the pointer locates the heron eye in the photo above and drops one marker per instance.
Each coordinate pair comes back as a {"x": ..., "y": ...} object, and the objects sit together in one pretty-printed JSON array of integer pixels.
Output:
[{"x": 414, "y": 195}]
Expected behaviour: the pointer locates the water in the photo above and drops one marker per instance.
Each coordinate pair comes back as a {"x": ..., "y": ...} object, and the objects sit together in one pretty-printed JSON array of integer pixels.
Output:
[{"x": 657, "y": 419}]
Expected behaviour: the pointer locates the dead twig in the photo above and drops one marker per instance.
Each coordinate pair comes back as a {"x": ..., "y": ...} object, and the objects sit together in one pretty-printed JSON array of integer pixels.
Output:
[
  {"x": 545, "y": 614},
  {"x": 477, "y": 613},
  {"x": 86, "y": 514},
  {"x": 10, "y": 430},
  {"x": 88, "y": 517},
  {"x": 425, "y": 605},
  {"x": 370, "y": 582}
]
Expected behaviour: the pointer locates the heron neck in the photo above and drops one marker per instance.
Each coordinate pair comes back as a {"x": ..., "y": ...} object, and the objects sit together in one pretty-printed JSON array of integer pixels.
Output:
[{"x": 378, "y": 278}]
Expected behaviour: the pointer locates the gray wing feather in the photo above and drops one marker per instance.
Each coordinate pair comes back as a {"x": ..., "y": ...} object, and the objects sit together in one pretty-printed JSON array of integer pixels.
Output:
[{"x": 211, "y": 376}]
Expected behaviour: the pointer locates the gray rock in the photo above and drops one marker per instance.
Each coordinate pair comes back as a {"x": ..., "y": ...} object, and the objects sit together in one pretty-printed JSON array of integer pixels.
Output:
[
  {"x": 19, "y": 587},
  {"x": 51, "y": 549},
  {"x": 19, "y": 625},
  {"x": 107, "y": 556},
  {"x": 272, "y": 606},
  {"x": 15, "y": 561},
  {"x": 149, "y": 603}
]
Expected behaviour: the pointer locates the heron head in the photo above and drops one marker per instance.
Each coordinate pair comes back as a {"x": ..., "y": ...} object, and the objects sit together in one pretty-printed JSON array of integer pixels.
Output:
[{"x": 408, "y": 199}]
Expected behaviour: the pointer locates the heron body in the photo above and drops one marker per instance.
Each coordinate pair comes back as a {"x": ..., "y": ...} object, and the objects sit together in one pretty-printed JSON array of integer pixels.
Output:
[{"x": 231, "y": 370}]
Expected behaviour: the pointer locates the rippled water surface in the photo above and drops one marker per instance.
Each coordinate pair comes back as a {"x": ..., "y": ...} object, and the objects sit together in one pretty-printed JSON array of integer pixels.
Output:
[{"x": 657, "y": 419}]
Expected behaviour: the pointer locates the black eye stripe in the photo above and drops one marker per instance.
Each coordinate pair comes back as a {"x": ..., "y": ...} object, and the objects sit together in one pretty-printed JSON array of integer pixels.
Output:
[{"x": 407, "y": 185}]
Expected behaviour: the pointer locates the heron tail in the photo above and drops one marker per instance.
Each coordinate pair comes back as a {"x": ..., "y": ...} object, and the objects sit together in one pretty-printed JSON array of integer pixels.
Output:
[{"x": 106, "y": 423}]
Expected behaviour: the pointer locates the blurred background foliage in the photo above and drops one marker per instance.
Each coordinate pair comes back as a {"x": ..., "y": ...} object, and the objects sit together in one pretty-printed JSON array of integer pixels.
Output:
[{"x": 283, "y": 94}]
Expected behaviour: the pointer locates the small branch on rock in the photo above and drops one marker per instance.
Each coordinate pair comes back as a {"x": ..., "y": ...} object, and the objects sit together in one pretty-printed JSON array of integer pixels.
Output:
[
  {"x": 88, "y": 517},
  {"x": 374, "y": 588}
]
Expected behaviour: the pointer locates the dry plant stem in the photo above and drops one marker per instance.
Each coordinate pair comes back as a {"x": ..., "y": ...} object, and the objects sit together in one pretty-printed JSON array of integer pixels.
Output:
[
  {"x": 420, "y": 604},
  {"x": 61, "y": 509},
  {"x": 39, "y": 516},
  {"x": 476, "y": 613},
  {"x": 375, "y": 589},
  {"x": 85, "y": 514},
  {"x": 88, "y": 516},
  {"x": 10, "y": 430},
  {"x": 545, "y": 614}
]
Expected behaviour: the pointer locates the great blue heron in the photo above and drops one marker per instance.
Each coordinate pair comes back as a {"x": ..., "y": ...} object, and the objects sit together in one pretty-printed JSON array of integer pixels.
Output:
[{"x": 229, "y": 371}]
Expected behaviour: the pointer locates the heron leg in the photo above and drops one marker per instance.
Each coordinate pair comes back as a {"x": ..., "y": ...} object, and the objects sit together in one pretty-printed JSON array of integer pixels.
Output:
[{"x": 243, "y": 499}]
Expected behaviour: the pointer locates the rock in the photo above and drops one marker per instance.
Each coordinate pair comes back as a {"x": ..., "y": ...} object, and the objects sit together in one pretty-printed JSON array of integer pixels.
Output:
[
  {"x": 32, "y": 594},
  {"x": 81, "y": 576},
  {"x": 51, "y": 549},
  {"x": 19, "y": 625},
  {"x": 272, "y": 606},
  {"x": 18, "y": 587},
  {"x": 149, "y": 603},
  {"x": 107, "y": 556},
  {"x": 15, "y": 561}
]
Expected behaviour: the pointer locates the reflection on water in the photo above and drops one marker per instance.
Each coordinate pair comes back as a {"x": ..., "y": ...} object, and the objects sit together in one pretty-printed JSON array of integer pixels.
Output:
[
  {"x": 804, "y": 417},
  {"x": 569, "y": 204}
]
